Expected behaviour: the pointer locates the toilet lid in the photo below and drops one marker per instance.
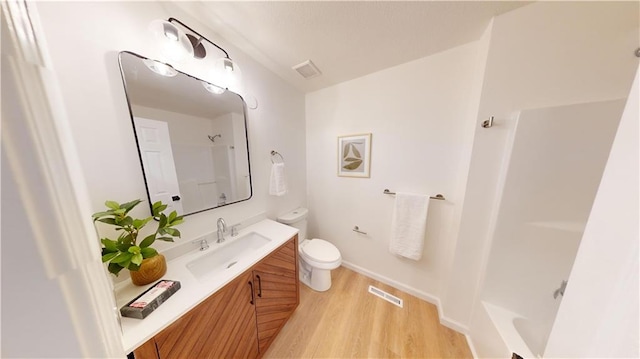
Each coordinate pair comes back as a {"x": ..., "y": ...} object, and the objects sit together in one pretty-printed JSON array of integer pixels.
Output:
[{"x": 321, "y": 250}]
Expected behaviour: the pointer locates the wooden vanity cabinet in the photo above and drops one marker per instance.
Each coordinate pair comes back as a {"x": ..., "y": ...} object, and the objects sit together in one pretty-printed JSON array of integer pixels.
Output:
[
  {"x": 276, "y": 291},
  {"x": 238, "y": 321},
  {"x": 223, "y": 326}
]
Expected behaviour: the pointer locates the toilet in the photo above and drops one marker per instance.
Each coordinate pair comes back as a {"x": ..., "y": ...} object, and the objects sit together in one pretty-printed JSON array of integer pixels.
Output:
[{"x": 316, "y": 257}]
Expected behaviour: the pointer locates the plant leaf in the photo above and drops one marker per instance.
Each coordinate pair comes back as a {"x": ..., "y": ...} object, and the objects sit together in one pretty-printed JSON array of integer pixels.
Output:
[
  {"x": 115, "y": 268},
  {"x": 101, "y": 214},
  {"x": 345, "y": 151},
  {"x": 352, "y": 159},
  {"x": 129, "y": 205},
  {"x": 111, "y": 221},
  {"x": 134, "y": 250},
  {"x": 148, "y": 252},
  {"x": 172, "y": 216},
  {"x": 353, "y": 166},
  {"x": 112, "y": 204},
  {"x": 177, "y": 222},
  {"x": 158, "y": 207},
  {"x": 123, "y": 247},
  {"x": 109, "y": 244},
  {"x": 126, "y": 221},
  {"x": 109, "y": 256},
  {"x": 147, "y": 241},
  {"x": 163, "y": 221},
  {"x": 139, "y": 223},
  {"x": 124, "y": 257},
  {"x": 166, "y": 239},
  {"x": 172, "y": 231},
  {"x": 133, "y": 267},
  {"x": 137, "y": 259},
  {"x": 126, "y": 239}
]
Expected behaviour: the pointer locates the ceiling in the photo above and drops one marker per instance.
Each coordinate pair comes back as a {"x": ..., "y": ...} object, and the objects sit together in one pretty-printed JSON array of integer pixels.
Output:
[{"x": 345, "y": 39}]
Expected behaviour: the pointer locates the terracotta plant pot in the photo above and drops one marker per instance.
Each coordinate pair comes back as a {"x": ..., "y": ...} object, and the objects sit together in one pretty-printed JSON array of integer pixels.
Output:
[{"x": 150, "y": 270}]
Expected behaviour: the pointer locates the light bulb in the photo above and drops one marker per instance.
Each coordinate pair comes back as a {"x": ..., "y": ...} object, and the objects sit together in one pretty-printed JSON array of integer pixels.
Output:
[
  {"x": 226, "y": 73},
  {"x": 160, "y": 68},
  {"x": 213, "y": 88},
  {"x": 174, "y": 44}
]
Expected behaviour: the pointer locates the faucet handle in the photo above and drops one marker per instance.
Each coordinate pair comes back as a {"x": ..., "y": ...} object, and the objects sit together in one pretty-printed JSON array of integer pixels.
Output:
[
  {"x": 203, "y": 243},
  {"x": 234, "y": 229}
]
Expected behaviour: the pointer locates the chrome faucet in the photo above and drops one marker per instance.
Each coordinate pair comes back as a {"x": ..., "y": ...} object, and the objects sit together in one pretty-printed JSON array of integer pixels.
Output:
[
  {"x": 560, "y": 291},
  {"x": 222, "y": 227}
]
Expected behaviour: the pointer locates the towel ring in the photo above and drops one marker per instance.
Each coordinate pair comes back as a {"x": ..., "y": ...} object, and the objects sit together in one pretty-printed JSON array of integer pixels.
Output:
[{"x": 276, "y": 153}]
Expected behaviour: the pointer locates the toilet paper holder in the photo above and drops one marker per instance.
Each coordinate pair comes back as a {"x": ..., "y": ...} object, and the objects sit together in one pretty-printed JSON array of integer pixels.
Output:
[{"x": 357, "y": 229}]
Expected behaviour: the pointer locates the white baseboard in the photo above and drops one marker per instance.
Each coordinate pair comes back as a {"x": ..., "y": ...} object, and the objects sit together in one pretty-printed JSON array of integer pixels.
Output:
[
  {"x": 449, "y": 323},
  {"x": 388, "y": 281}
]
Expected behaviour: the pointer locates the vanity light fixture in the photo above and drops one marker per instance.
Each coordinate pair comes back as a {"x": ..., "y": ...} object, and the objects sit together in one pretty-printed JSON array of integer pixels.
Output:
[
  {"x": 213, "y": 88},
  {"x": 174, "y": 43},
  {"x": 226, "y": 72}
]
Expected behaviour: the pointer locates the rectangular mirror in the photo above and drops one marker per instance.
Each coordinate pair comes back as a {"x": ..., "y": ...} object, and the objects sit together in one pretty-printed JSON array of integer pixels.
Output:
[{"x": 191, "y": 137}]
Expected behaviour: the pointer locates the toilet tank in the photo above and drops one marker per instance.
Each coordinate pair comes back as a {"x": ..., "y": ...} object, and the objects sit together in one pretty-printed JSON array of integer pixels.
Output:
[{"x": 297, "y": 219}]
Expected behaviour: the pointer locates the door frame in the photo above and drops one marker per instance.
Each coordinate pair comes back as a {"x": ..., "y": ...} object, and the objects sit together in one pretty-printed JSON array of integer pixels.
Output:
[{"x": 59, "y": 216}]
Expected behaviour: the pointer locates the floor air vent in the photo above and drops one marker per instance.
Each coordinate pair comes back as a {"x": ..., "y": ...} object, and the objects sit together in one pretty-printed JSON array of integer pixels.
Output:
[{"x": 386, "y": 296}]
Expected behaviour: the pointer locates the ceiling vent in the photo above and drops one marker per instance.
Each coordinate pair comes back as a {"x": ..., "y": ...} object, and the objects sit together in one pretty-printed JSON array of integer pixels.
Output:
[{"x": 307, "y": 69}]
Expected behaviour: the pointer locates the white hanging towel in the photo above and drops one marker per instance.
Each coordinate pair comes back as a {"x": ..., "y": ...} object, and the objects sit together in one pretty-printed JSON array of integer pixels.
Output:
[
  {"x": 408, "y": 225},
  {"x": 278, "y": 181}
]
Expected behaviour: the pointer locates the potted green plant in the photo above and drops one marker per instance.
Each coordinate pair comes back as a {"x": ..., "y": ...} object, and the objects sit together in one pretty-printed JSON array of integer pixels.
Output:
[{"x": 144, "y": 263}]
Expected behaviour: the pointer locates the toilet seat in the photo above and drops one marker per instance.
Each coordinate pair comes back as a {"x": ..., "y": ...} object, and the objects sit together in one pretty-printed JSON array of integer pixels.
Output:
[{"x": 319, "y": 251}]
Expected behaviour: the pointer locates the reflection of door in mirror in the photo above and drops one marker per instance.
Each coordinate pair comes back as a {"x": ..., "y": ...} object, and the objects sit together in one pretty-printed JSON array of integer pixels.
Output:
[
  {"x": 205, "y": 169},
  {"x": 207, "y": 133},
  {"x": 155, "y": 150}
]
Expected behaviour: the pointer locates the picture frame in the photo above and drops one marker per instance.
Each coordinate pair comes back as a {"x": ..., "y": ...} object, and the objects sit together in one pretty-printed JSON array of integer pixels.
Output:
[{"x": 354, "y": 155}]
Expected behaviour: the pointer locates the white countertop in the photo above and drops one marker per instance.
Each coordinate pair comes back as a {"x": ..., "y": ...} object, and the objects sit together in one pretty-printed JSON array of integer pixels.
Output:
[{"x": 136, "y": 332}]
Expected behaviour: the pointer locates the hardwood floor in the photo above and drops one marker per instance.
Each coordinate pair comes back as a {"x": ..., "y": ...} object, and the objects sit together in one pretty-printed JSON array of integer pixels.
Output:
[{"x": 349, "y": 322}]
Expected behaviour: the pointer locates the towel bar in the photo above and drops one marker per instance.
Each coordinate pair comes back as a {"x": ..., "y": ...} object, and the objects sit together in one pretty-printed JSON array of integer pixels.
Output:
[{"x": 438, "y": 196}]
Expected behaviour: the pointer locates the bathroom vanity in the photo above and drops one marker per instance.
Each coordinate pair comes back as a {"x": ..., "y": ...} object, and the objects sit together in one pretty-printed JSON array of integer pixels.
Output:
[{"x": 234, "y": 310}]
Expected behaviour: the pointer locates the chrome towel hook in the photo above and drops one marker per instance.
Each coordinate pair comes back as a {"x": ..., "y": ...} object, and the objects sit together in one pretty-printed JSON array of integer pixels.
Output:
[{"x": 488, "y": 123}]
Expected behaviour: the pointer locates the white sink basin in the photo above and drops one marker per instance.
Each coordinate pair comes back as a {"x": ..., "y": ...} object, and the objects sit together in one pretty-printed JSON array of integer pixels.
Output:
[{"x": 226, "y": 256}]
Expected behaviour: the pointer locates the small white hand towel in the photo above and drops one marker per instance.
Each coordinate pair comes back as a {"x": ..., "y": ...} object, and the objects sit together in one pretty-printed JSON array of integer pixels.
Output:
[
  {"x": 278, "y": 181},
  {"x": 408, "y": 225}
]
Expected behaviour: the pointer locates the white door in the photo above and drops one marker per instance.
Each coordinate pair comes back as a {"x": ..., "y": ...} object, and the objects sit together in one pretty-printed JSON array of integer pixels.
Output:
[{"x": 157, "y": 160}]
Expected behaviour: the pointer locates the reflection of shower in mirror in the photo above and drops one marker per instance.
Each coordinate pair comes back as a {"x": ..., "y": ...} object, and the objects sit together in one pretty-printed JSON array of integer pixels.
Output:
[{"x": 213, "y": 138}]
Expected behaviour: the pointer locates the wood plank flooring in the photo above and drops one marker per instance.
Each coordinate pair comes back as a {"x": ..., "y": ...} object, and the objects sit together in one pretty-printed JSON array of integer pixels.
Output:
[{"x": 349, "y": 322}]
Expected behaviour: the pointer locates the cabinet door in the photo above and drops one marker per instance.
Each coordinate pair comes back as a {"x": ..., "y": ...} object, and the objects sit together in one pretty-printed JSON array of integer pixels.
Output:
[
  {"x": 276, "y": 287},
  {"x": 223, "y": 326}
]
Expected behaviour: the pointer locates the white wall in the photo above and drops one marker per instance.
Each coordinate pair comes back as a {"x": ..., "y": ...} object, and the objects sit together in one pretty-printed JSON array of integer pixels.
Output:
[
  {"x": 418, "y": 116},
  {"x": 583, "y": 53},
  {"x": 599, "y": 315},
  {"x": 84, "y": 39}
]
